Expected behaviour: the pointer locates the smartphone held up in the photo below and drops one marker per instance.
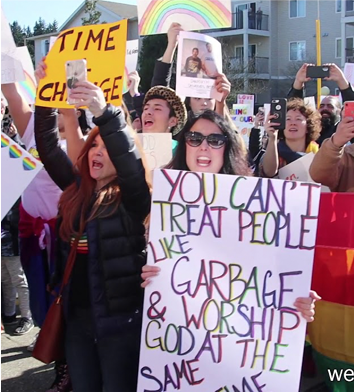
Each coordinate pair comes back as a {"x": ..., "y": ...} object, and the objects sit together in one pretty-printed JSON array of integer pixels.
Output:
[
  {"x": 317, "y": 71},
  {"x": 349, "y": 109},
  {"x": 278, "y": 109},
  {"x": 76, "y": 71}
]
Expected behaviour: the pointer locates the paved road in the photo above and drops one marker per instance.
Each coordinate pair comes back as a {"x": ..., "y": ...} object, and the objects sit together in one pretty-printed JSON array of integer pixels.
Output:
[
  {"x": 22, "y": 373},
  {"x": 19, "y": 371}
]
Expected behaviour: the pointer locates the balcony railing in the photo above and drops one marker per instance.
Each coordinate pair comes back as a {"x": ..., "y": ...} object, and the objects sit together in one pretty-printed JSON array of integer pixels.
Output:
[
  {"x": 254, "y": 21},
  {"x": 255, "y": 65}
]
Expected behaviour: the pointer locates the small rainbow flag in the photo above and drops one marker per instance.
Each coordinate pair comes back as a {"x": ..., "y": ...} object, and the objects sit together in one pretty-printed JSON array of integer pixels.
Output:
[
  {"x": 28, "y": 164},
  {"x": 4, "y": 141},
  {"x": 28, "y": 88},
  {"x": 210, "y": 14},
  {"x": 15, "y": 152}
]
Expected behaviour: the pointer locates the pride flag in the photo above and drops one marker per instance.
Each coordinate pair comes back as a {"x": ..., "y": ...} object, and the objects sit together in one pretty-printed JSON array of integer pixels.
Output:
[{"x": 332, "y": 332}]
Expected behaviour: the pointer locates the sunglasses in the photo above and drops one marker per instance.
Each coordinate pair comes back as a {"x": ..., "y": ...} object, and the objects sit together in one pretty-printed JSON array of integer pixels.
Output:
[{"x": 214, "y": 140}]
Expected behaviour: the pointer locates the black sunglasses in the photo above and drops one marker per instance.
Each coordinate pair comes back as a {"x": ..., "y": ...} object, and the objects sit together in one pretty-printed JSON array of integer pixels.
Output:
[{"x": 214, "y": 140}]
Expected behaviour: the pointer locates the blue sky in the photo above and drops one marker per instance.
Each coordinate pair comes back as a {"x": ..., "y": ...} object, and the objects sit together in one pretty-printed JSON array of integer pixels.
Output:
[{"x": 27, "y": 12}]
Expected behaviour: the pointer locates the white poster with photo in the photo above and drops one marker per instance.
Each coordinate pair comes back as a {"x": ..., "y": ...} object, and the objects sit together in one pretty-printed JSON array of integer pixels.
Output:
[
  {"x": 199, "y": 60},
  {"x": 234, "y": 254},
  {"x": 18, "y": 169},
  {"x": 157, "y": 148}
]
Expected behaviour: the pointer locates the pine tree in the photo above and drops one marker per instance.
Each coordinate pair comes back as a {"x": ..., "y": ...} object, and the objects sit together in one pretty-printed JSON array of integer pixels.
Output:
[
  {"x": 39, "y": 27},
  {"x": 17, "y": 33},
  {"x": 93, "y": 16}
]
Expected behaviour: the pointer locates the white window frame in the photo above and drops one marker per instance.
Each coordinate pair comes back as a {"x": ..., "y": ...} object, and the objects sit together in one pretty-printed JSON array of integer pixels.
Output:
[
  {"x": 340, "y": 54},
  {"x": 335, "y": 49},
  {"x": 241, "y": 46},
  {"x": 295, "y": 17},
  {"x": 297, "y": 42},
  {"x": 336, "y": 3}
]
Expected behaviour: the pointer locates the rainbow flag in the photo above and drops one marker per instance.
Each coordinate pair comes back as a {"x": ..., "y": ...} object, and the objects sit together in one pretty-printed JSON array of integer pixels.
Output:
[
  {"x": 27, "y": 88},
  {"x": 332, "y": 332}
]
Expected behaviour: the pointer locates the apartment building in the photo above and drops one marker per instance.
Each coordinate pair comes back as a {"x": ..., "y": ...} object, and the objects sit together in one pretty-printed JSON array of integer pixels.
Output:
[{"x": 270, "y": 39}]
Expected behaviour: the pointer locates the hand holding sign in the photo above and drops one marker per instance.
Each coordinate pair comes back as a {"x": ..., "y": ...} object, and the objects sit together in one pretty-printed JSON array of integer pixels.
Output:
[
  {"x": 89, "y": 95},
  {"x": 223, "y": 86}
]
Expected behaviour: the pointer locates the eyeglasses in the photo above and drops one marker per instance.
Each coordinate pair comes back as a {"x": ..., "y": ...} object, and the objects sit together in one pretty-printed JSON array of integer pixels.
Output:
[{"x": 214, "y": 140}]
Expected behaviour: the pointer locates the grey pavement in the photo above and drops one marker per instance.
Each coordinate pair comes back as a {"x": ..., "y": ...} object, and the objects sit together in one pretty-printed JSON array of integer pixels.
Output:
[{"x": 20, "y": 372}]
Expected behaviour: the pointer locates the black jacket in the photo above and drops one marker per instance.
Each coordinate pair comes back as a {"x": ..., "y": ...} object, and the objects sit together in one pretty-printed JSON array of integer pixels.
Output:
[{"x": 116, "y": 242}]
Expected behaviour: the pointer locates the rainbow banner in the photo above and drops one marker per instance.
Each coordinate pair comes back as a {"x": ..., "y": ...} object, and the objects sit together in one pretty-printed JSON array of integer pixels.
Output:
[
  {"x": 332, "y": 332},
  {"x": 156, "y": 16},
  {"x": 27, "y": 88}
]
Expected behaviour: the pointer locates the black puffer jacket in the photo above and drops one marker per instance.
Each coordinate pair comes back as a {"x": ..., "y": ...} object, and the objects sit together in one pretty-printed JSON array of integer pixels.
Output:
[{"x": 116, "y": 242}]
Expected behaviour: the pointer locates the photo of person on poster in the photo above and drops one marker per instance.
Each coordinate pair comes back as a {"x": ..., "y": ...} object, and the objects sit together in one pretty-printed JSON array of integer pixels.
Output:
[
  {"x": 208, "y": 62},
  {"x": 193, "y": 64}
]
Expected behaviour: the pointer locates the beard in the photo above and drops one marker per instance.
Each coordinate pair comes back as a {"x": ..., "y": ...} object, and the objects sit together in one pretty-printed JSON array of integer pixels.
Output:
[{"x": 329, "y": 121}]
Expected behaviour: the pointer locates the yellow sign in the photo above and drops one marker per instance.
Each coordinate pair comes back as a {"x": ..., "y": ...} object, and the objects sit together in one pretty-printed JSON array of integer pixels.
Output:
[{"x": 103, "y": 47}]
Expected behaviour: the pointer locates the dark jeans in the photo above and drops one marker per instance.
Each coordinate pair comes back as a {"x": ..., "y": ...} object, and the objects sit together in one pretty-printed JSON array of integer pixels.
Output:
[{"x": 111, "y": 362}]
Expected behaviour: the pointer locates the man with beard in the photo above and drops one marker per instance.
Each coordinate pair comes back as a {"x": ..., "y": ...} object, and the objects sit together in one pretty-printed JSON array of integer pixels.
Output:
[{"x": 330, "y": 107}]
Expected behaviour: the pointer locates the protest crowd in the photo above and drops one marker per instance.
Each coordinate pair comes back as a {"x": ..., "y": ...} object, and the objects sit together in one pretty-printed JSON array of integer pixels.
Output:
[{"x": 78, "y": 234}]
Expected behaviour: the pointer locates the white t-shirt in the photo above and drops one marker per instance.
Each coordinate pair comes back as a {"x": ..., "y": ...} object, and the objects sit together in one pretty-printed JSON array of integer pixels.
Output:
[
  {"x": 208, "y": 62},
  {"x": 41, "y": 197}
]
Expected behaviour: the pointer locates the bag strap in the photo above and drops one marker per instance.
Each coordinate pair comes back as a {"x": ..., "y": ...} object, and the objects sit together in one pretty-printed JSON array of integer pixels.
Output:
[{"x": 69, "y": 265}]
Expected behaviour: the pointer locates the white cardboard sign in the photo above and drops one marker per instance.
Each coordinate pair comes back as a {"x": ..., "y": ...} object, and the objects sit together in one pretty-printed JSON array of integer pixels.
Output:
[
  {"x": 157, "y": 148},
  {"x": 234, "y": 253}
]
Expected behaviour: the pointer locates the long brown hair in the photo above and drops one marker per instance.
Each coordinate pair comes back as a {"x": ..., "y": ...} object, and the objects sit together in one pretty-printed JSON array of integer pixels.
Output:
[{"x": 76, "y": 200}]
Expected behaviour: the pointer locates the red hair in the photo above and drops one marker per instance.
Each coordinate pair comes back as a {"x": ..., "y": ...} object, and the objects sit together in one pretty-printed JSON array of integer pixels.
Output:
[{"x": 76, "y": 200}]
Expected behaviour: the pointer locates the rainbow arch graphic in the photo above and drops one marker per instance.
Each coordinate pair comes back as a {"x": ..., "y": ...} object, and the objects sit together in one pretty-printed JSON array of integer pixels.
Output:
[
  {"x": 211, "y": 14},
  {"x": 28, "y": 88}
]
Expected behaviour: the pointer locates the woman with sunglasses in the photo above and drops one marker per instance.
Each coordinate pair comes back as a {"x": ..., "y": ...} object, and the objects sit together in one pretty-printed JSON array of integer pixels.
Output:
[{"x": 208, "y": 144}]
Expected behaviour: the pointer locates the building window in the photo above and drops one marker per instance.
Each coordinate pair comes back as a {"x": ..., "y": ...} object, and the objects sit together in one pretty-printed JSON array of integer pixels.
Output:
[
  {"x": 297, "y": 8},
  {"x": 338, "y": 5},
  {"x": 45, "y": 47},
  {"x": 297, "y": 51},
  {"x": 349, "y": 5},
  {"x": 349, "y": 45}
]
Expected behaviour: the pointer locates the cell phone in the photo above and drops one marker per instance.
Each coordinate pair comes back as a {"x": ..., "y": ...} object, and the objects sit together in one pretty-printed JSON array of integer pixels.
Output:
[
  {"x": 278, "y": 109},
  {"x": 349, "y": 109},
  {"x": 76, "y": 71},
  {"x": 317, "y": 71}
]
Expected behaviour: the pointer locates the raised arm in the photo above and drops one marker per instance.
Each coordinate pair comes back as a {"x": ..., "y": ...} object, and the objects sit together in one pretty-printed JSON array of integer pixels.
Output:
[
  {"x": 163, "y": 68},
  {"x": 298, "y": 87},
  {"x": 18, "y": 107},
  {"x": 327, "y": 165},
  {"x": 54, "y": 159},
  {"x": 121, "y": 148},
  {"x": 270, "y": 162}
]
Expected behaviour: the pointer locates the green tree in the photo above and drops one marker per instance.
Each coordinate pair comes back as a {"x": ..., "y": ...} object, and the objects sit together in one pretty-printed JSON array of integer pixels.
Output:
[
  {"x": 39, "y": 27},
  {"x": 152, "y": 48},
  {"x": 92, "y": 16},
  {"x": 18, "y": 33},
  {"x": 52, "y": 27}
]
